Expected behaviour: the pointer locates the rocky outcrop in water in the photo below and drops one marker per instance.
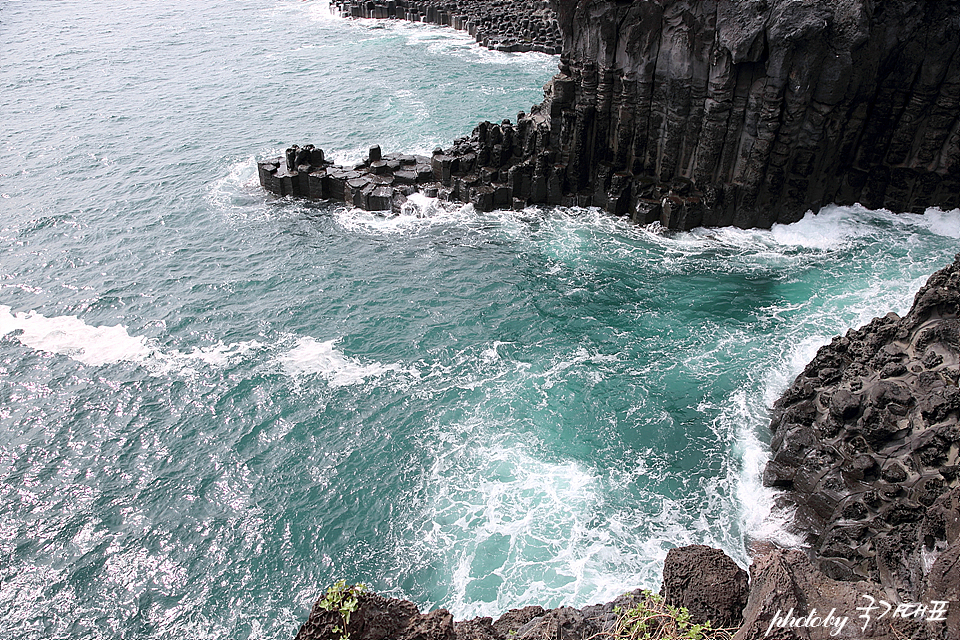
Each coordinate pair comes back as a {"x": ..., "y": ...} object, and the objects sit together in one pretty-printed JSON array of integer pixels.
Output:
[
  {"x": 380, "y": 183},
  {"x": 721, "y": 112}
]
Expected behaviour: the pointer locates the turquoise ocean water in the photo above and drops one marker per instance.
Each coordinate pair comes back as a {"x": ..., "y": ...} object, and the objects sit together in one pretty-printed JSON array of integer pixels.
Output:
[{"x": 214, "y": 402}]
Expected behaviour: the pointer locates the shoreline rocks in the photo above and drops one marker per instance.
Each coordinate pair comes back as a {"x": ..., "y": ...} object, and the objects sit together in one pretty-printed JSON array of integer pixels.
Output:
[
  {"x": 866, "y": 445},
  {"x": 517, "y": 26},
  {"x": 695, "y": 571},
  {"x": 380, "y": 183}
]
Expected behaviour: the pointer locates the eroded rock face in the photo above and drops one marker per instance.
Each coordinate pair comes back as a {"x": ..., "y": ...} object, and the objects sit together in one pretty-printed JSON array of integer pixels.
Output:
[
  {"x": 866, "y": 441},
  {"x": 785, "y": 584}
]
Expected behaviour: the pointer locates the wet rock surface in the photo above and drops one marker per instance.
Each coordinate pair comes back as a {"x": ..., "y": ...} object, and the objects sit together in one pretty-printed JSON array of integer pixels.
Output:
[
  {"x": 712, "y": 113},
  {"x": 380, "y": 183}
]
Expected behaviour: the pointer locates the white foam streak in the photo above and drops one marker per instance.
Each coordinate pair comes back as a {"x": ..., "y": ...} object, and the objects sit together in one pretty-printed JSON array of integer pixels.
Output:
[
  {"x": 418, "y": 212},
  {"x": 312, "y": 357},
  {"x": 97, "y": 346},
  {"x": 217, "y": 356},
  {"x": 237, "y": 190},
  {"x": 831, "y": 228},
  {"x": 942, "y": 223},
  {"x": 320, "y": 11},
  {"x": 70, "y": 336}
]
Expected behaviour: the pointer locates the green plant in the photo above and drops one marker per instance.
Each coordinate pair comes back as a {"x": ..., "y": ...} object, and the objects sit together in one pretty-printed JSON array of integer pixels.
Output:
[
  {"x": 343, "y": 599},
  {"x": 653, "y": 619}
]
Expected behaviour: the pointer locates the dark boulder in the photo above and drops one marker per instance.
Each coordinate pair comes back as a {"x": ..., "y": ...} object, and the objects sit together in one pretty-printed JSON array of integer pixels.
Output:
[{"x": 708, "y": 583}]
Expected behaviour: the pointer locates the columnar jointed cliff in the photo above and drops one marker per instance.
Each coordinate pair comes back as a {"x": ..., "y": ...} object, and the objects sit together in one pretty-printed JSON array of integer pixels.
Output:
[
  {"x": 750, "y": 112},
  {"x": 718, "y": 112}
]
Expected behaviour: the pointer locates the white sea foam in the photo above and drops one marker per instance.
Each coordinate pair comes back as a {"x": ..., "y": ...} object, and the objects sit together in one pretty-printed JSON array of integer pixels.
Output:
[
  {"x": 239, "y": 188},
  {"x": 418, "y": 212},
  {"x": 310, "y": 356},
  {"x": 508, "y": 519},
  {"x": 512, "y": 528},
  {"x": 216, "y": 356},
  {"x": 832, "y": 227},
  {"x": 71, "y": 336},
  {"x": 96, "y": 346},
  {"x": 319, "y": 11},
  {"x": 503, "y": 520},
  {"x": 835, "y": 226},
  {"x": 943, "y": 223},
  {"x": 442, "y": 40}
]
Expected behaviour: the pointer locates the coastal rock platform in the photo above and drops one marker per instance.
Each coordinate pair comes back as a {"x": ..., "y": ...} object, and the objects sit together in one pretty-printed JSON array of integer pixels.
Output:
[
  {"x": 503, "y": 25},
  {"x": 380, "y": 183}
]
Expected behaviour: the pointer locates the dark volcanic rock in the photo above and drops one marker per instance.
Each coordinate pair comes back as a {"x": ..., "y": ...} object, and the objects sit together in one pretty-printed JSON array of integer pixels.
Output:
[
  {"x": 787, "y": 583},
  {"x": 379, "y": 618},
  {"x": 476, "y": 629},
  {"x": 708, "y": 583},
  {"x": 869, "y": 456},
  {"x": 516, "y": 618},
  {"x": 563, "y": 623},
  {"x": 714, "y": 113},
  {"x": 501, "y": 25},
  {"x": 376, "y": 618}
]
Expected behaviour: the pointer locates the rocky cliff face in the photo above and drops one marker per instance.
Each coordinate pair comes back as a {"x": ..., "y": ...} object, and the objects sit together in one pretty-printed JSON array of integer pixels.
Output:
[
  {"x": 699, "y": 112},
  {"x": 750, "y": 112},
  {"x": 702, "y": 579},
  {"x": 866, "y": 441}
]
